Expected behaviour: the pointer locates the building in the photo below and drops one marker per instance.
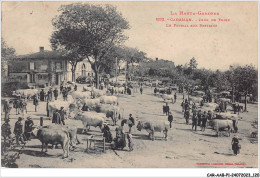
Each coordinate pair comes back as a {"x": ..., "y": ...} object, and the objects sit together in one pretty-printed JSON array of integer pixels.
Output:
[
  {"x": 43, "y": 68},
  {"x": 83, "y": 68}
]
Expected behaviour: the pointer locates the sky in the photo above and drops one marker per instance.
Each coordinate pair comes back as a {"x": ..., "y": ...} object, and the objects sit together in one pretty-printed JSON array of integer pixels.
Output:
[{"x": 27, "y": 25}]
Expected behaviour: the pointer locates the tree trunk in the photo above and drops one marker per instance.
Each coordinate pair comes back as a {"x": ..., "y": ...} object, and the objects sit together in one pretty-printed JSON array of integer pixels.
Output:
[
  {"x": 245, "y": 101},
  {"x": 97, "y": 79},
  {"x": 73, "y": 69}
]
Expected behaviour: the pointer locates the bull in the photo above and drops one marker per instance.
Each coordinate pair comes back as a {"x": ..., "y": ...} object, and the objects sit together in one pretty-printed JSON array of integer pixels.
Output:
[
  {"x": 220, "y": 125},
  {"x": 152, "y": 127},
  {"x": 53, "y": 135},
  {"x": 114, "y": 112},
  {"x": 108, "y": 100}
]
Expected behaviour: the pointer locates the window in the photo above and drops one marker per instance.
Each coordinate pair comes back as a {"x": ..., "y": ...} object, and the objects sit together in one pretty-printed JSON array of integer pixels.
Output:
[
  {"x": 32, "y": 66},
  {"x": 43, "y": 67}
]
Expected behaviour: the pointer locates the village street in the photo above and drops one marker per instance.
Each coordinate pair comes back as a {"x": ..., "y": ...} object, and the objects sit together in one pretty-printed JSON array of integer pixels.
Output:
[{"x": 183, "y": 149}]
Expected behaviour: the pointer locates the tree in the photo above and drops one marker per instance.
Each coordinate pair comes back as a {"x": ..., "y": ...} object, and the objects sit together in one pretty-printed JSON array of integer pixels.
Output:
[
  {"x": 193, "y": 64},
  {"x": 244, "y": 80},
  {"x": 90, "y": 31},
  {"x": 7, "y": 53}
]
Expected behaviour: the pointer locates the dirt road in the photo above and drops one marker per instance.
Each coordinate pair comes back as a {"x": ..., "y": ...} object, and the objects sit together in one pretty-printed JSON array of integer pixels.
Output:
[{"x": 184, "y": 149}]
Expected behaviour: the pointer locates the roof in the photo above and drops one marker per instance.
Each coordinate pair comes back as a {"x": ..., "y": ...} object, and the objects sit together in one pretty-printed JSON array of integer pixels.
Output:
[{"x": 42, "y": 55}]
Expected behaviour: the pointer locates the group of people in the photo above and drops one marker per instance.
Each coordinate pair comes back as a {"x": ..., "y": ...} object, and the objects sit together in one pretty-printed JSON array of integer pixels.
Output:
[
  {"x": 21, "y": 135},
  {"x": 59, "y": 116}
]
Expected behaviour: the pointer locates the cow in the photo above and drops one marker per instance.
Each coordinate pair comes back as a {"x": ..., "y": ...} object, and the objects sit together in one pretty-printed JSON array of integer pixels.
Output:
[
  {"x": 114, "y": 112},
  {"x": 152, "y": 127},
  {"x": 54, "y": 105},
  {"x": 220, "y": 125},
  {"x": 26, "y": 92},
  {"x": 98, "y": 93},
  {"x": 91, "y": 119},
  {"x": 54, "y": 134},
  {"x": 167, "y": 97},
  {"x": 91, "y": 102},
  {"x": 108, "y": 100}
]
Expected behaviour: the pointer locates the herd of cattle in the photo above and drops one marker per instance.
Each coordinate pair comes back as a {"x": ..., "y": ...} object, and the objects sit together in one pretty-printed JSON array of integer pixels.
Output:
[{"x": 102, "y": 104}]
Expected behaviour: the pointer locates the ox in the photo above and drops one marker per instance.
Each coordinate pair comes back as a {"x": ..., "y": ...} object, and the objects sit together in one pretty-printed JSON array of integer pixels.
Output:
[
  {"x": 114, "y": 112},
  {"x": 108, "y": 100},
  {"x": 91, "y": 119},
  {"x": 167, "y": 97},
  {"x": 81, "y": 95},
  {"x": 53, "y": 135},
  {"x": 220, "y": 125},
  {"x": 152, "y": 127},
  {"x": 91, "y": 103}
]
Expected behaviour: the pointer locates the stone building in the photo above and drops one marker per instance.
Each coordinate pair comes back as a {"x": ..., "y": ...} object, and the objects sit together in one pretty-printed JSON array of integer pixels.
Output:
[{"x": 43, "y": 68}]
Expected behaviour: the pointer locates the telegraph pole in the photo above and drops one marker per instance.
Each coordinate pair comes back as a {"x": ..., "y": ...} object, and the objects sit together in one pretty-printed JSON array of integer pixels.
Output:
[{"x": 116, "y": 70}]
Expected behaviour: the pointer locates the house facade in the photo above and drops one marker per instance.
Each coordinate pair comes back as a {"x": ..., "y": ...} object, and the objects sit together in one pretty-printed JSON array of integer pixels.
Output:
[
  {"x": 47, "y": 68},
  {"x": 83, "y": 68}
]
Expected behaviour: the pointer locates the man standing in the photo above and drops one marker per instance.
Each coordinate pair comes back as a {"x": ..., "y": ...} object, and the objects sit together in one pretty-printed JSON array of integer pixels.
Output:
[
  {"x": 35, "y": 102},
  {"x": 194, "y": 121},
  {"x": 167, "y": 109},
  {"x": 175, "y": 97},
  {"x": 7, "y": 109},
  {"x": 56, "y": 117},
  {"x": 199, "y": 117},
  {"x": 50, "y": 94},
  {"x": 18, "y": 131},
  {"x": 6, "y": 133},
  {"x": 141, "y": 90},
  {"x": 42, "y": 95},
  {"x": 131, "y": 123},
  {"x": 62, "y": 115},
  {"x": 55, "y": 93},
  {"x": 187, "y": 116},
  {"x": 61, "y": 88},
  {"x": 28, "y": 128},
  {"x": 204, "y": 121},
  {"x": 170, "y": 119}
]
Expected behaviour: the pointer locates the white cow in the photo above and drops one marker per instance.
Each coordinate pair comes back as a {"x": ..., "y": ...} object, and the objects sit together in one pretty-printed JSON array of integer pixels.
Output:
[
  {"x": 91, "y": 102},
  {"x": 91, "y": 119},
  {"x": 81, "y": 95},
  {"x": 167, "y": 97},
  {"x": 108, "y": 100}
]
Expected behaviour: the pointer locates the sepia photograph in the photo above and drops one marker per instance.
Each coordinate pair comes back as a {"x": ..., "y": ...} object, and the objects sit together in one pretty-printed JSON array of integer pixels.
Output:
[{"x": 129, "y": 84}]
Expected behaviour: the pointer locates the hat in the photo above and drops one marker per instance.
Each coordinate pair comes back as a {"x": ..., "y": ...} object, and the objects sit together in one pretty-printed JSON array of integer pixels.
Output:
[
  {"x": 29, "y": 117},
  {"x": 19, "y": 118},
  {"x": 61, "y": 107}
]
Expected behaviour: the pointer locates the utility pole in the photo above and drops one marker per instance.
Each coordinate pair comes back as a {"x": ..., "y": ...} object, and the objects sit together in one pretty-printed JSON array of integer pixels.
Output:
[{"x": 116, "y": 70}]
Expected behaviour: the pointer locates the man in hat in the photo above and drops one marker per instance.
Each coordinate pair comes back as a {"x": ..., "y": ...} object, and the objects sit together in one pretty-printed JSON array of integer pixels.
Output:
[
  {"x": 28, "y": 127},
  {"x": 62, "y": 115},
  {"x": 35, "y": 102},
  {"x": 18, "y": 131},
  {"x": 131, "y": 123},
  {"x": 49, "y": 95},
  {"x": 170, "y": 119},
  {"x": 42, "y": 95},
  {"x": 6, "y": 133},
  {"x": 55, "y": 93},
  {"x": 194, "y": 121},
  {"x": 56, "y": 117}
]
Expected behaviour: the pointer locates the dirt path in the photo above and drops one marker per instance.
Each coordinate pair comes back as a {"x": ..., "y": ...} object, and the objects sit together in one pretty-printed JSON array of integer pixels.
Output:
[{"x": 184, "y": 148}]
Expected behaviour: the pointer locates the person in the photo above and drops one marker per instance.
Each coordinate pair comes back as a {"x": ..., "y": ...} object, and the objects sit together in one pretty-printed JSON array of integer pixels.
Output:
[
  {"x": 35, "y": 102},
  {"x": 65, "y": 93},
  {"x": 28, "y": 127},
  {"x": 55, "y": 93},
  {"x": 61, "y": 88},
  {"x": 204, "y": 121},
  {"x": 130, "y": 142},
  {"x": 131, "y": 123},
  {"x": 235, "y": 146},
  {"x": 199, "y": 117},
  {"x": 155, "y": 90},
  {"x": 170, "y": 119},
  {"x": 225, "y": 106},
  {"x": 183, "y": 105},
  {"x": 107, "y": 134},
  {"x": 17, "y": 106},
  {"x": 6, "y": 133},
  {"x": 120, "y": 141},
  {"x": 186, "y": 105},
  {"x": 23, "y": 105},
  {"x": 7, "y": 109},
  {"x": 194, "y": 121},
  {"x": 194, "y": 108},
  {"x": 56, "y": 117},
  {"x": 187, "y": 116},
  {"x": 141, "y": 90},
  {"x": 167, "y": 109},
  {"x": 209, "y": 116},
  {"x": 42, "y": 95},
  {"x": 18, "y": 131},
  {"x": 62, "y": 115},
  {"x": 175, "y": 97},
  {"x": 75, "y": 87},
  {"x": 112, "y": 91},
  {"x": 50, "y": 94}
]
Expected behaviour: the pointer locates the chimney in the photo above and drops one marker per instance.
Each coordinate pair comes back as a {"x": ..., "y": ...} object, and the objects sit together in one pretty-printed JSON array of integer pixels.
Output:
[{"x": 41, "y": 49}]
